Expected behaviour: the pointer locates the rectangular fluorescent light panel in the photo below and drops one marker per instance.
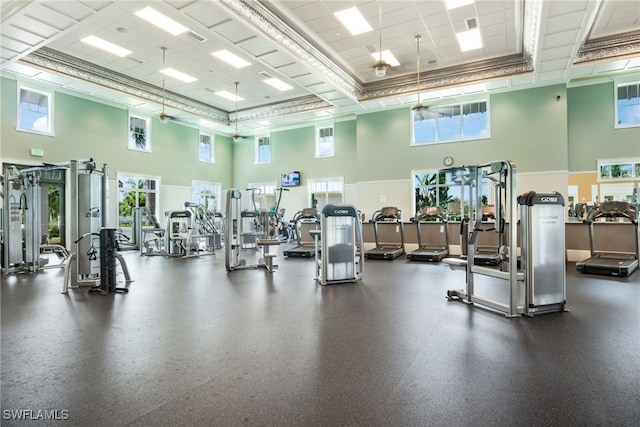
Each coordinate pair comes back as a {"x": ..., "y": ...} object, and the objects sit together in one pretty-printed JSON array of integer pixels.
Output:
[
  {"x": 278, "y": 84},
  {"x": 469, "y": 40},
  {"x": 156, "y": 18},
  {"x": 171, "y": 72},
  {"x": 228, "y": 95},
  {"x": 231, "y": 58},
  {"x": 452, "y": 4},
  {"x": 353, "y": 20},
  {"x": 106, "y": 46},
  {"x": 387, "y": 57}
]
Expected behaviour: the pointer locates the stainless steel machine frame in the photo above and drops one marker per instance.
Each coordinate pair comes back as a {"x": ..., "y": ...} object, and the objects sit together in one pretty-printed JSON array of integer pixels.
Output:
[
  {"x": 234, "y": 237},
  {"x": 89, "y": 207},
  {"x": 543, "y": 257},
  {"x": 339, "y": 254},
  {"x": 538, "y": 284}
]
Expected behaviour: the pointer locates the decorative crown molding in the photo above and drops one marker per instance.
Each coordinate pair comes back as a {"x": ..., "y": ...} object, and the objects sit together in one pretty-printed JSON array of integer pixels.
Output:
[
  {"x": 609, "y": 49},
  {"x": 451, "y": 76},
  {"x": 60, "y": 63}
]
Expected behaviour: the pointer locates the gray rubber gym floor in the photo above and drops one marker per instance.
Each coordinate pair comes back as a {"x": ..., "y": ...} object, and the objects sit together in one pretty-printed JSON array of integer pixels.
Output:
[{"x": 194, "y": 345}]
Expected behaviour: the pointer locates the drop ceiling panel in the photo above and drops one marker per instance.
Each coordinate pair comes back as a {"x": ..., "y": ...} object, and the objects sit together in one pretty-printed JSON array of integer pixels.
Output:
[
  {"x": 73, "y": 11},
  {"x": 50, "y": 16}
]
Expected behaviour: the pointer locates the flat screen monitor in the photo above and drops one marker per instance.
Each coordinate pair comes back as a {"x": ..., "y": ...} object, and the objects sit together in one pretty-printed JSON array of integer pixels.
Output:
[{"x": 290, "y": 179}]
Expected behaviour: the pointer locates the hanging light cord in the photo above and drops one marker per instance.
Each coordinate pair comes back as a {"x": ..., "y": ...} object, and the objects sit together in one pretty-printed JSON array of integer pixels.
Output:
[
  {"x": 418, "y": 67},
  {"x": 235, "y": 119},
  {"x": 380, "y": 17},
  {"x": 164, "y": 66}
]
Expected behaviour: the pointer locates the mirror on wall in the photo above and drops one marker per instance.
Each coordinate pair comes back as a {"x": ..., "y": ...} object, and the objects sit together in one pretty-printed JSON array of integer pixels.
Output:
[{"x": 613, "y": 180}]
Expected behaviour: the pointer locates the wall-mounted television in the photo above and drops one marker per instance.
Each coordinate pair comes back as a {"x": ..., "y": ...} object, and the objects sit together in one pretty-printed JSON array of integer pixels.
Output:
[{"x": 290, "y": 179}]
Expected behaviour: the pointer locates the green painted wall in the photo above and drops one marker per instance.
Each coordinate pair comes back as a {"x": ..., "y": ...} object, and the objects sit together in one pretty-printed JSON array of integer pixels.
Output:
[
  {"x": 532, "y": 127},
  {"x": 591, "y": 132},
  {"x": 524, "y": 126},
  {"x": 294, "y": 149},
  {"x": 86, "y": 129}
]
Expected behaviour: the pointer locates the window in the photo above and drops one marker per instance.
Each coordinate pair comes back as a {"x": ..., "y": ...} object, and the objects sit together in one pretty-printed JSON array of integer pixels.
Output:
[
  {"x": 619, "y": 169},
  {"x": 325, "y": 191},
  {"x": 451, "y": 123},
  {"x": 628, "y": 105},
  {"x": 206, "y": 149},
  {"x": 34, "y": 111},
  {"x": 139, "y": 135},
  {"x": 447, "y": 189},
  {"x": 137, "y": 192},
  {"x": 206, "y": 194},
  {"x": 325, "y": 146},
  {"x": 263, "y": 149}
]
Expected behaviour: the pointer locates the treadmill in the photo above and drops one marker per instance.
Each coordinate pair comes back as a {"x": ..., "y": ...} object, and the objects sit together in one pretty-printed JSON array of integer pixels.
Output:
[
  {"x": 621, "y": 264},
  {"x": 388, "y": 218},
  {"x": 488, "y": 255},
  {"x": 304, "y": 221},
  {"x": 429, "y": 251}
]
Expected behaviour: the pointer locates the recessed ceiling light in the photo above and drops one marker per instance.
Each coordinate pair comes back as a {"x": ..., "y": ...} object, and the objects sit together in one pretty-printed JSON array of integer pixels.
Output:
[
  {"x": 278, "y": 84},
  {"x": 387, "y": 57},
  {"x": 228, "y": 95},
  {"x": 106, "y": 46},
  {"x": 469, "y": 40},
  {"x": 231, "y": 58},
  {"x": 156, "y": 18},
  {"x": 171, "y": 72},
  {"x": 353, "y": 20},
  {"x": 452, "y": 4}
]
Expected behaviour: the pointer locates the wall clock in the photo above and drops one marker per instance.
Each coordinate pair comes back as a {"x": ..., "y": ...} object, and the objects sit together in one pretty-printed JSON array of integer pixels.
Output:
[{"x": 448, "y": 161}]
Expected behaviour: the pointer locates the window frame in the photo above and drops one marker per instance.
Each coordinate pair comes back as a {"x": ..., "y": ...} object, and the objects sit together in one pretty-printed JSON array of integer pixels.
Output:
[
  {"x": 125, "y": 176},
  {"x": 461, "y": 105},
  {"x": 50, "y": 113},
  {"x": 131, "y": 143},
  {"x": 616, "y": 88},
  {"x": 318, "y": 128},
  {"x": 216, "y": 190},
  {"x": 634, "y": 172},
  {"x": 212, "y": 143},
  {"x": 258, "y": 138}
]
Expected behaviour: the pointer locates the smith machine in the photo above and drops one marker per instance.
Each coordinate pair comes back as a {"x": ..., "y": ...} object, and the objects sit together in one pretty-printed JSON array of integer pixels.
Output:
[{"x": 535, "y": 280}]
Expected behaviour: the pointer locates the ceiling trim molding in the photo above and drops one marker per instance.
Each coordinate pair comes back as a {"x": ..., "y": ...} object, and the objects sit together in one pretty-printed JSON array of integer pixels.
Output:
[
  {"x": 257, "y": 16},
  {"x": 295, "y": 106},
  {"x": 609, "y": 49},
  {"x": 60, "y": 63},
  {"x": 452, "y": 76},
  {"x": 531, "y": 28}
]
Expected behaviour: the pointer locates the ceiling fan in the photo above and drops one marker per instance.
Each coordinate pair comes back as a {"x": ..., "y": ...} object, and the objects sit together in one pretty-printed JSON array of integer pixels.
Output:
[
  {"x": 381, "y": 66},
  {"x": 419, "y": 109},
  {"x": 164, "y": 117},
  {"x": 236, "y": 137}
]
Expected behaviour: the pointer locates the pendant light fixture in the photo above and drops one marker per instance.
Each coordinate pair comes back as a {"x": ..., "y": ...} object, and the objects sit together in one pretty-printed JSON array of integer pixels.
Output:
[
  {"x": 419, "y": 108},
  {"x": 235, "y": 136},
  {"x": 164, "y": 117},
  {"x": 381, "y": 66}
]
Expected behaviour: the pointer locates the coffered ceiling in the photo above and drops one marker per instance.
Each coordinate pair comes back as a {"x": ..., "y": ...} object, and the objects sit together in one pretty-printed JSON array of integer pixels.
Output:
[{"x": 302, "y": 43}]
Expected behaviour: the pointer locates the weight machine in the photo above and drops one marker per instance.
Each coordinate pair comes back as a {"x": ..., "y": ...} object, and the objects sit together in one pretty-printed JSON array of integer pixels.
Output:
[
  {"x": 25, "y": 222},
  {"x": 535, "y": 286},
  {"x": 205, "y": 235},
  {"x": 339, "y": 255},
  {"x": 92, "y": 260},
  {"x": 235, "y": 236}
]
